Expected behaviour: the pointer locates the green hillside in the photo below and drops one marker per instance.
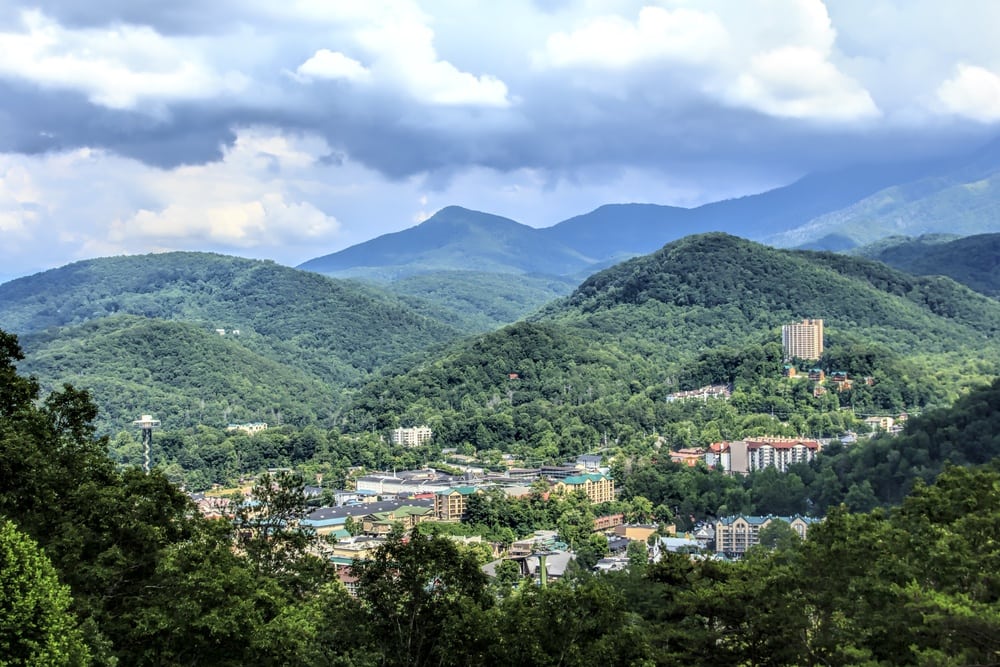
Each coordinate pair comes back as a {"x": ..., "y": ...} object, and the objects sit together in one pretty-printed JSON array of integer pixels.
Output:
[
  {"x": 598, "y": 365},
  {"x": 717, "y": 289},
  {"x": 453, "y": 239},
  {"x": 973, "y": 261},
  {"x": 334, "y": 330},
  {"x": 479, "y": 301},
  {"x": 184, "y": 373}
]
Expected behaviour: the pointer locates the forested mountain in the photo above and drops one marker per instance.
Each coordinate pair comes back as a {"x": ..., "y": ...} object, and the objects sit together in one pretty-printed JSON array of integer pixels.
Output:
[
  {"x": 317, "y": 329},
  {"x": 599, "y": 364},
  {"x": 713, "y": 289},
  {"x": 183, "y": 372},
  {"x": 454, "y": 238},
  {"x": 973, "y": 261},
  {"x": 477, "y": 301}
]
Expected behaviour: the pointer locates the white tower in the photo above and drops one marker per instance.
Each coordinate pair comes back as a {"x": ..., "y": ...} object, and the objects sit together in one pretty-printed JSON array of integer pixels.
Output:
[{"x": 147, "y": 424}]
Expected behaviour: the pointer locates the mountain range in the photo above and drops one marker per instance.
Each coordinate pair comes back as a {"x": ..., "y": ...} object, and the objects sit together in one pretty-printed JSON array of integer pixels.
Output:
[{"x": 832, "y": 211}]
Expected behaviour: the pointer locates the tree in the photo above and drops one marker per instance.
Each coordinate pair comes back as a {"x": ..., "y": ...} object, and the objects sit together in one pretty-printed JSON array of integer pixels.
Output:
[
  {"x": 268, "y": 533},
  {"x": 425, "y": 599},
  {"x": 638, "y": 555},
  {"x": 36, "y": 624}
]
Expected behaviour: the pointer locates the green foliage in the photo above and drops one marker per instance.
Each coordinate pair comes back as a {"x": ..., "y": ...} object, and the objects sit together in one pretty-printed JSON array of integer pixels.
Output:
[
  {"x": 132, "y": 365},
  {"x": 296, "y": 330},
  {"x": 422, "y": 598},
  {"x": 268, "y": 535},
  {"x": 970, "y": 260},
  {"x": 480, "y": 301},
  {"x": 36, "y": 624}
]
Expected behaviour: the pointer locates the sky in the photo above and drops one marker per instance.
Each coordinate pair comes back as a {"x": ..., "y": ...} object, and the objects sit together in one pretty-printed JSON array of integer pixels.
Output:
[{"x": 290, "y": 130}]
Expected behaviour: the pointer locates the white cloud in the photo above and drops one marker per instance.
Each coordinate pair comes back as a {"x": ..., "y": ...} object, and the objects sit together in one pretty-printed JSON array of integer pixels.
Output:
[
  {"x": 19, "y": 197},
  {"x": 974, "y": 92},
  {"x": 326, "y": 64},
  {"x": 610, "y": 41},
  {"x": 796, "y": 82},
  {"x": 403, "y": 57},
  {"x": 115, "y": 67},
  {"x": 775, "y": 57}
]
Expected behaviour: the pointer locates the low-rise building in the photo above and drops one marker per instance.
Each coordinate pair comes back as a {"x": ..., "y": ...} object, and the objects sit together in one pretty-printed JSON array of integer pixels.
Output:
[
  {"x": 608, "y": 521},
  {"x": 411, "y": 437},
  {"x": 734, "y": 535},
  {"x": 449, "y": 504},
  {"x": 405, "y": 516},
  {"x": 250, "y": 429},
  {"x": 688, "y": 456},
  {"x": 598, "y": 487}
]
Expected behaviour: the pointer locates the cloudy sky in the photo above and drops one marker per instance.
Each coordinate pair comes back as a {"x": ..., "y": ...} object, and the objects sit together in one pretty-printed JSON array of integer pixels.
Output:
[{"x": 288, "y": 130}]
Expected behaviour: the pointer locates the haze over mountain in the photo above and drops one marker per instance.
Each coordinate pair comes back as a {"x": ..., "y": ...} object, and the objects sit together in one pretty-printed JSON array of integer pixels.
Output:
[{"x": 836, "y": 210}]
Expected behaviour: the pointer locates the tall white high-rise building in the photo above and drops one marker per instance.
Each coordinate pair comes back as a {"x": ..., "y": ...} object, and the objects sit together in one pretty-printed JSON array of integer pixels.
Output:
[{"x": 803, "y": 340}]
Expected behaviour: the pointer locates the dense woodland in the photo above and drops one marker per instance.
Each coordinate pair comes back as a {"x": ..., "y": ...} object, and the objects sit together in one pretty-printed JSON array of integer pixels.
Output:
[
  {"x": 103, "y": 565},
  {"x": 970, "y": 260},
  {"x": 141, "y": 334}
]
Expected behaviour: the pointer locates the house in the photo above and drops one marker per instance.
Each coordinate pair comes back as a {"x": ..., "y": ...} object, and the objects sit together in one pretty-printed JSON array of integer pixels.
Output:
[
  {"x": 817, "y": 375},
  {"x": 598, "y": 487},
  {"x": 734, "y": 535}
]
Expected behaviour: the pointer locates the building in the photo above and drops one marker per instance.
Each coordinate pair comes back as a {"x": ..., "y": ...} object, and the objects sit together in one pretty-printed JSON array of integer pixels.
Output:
[
  {"x": 405, "y": 516},
  {"x": 745, "y": 456},
  {"x": 635, "y": 532},
  {"x": 723, "y": 391},
  {"x": 449, "y": 504},
  {"x": 411, "y": 437},
  {"x": 608, "y": 521},
  {"x": 688, "y": 457},
  {"x": 779, "y": 452},
  {"x": 734, "y": 535},
  {"x": 598, "y": 487},
  {"x": 249, "y": 429},
  {"x": 803, "y": 340}
]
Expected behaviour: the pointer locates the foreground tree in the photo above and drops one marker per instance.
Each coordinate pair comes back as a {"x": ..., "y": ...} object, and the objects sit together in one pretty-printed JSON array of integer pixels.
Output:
[
  {"x": 426, "y": 601},
  {"x": 36, "y": 624}
]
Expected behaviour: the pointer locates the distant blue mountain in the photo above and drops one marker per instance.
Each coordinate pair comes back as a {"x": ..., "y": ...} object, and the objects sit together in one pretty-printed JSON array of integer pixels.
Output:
[
  {"x": 453, "y": 239},
  {"x": 832, "y": 211}
]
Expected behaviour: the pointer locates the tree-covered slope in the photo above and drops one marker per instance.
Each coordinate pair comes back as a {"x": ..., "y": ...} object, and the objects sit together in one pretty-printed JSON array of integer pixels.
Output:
[
  {"x": 334, "y": 330},
  {"x": 480, "y": 301},
  {"x": 183, "y": 373},
  {"x": 600, "y": 363},
  {"x": 973, "y": 261},
  {"x": 714, "y": 288}
]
